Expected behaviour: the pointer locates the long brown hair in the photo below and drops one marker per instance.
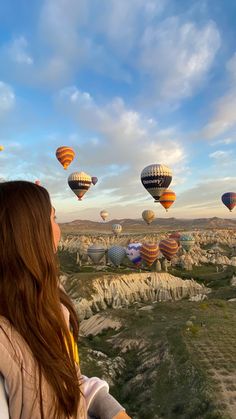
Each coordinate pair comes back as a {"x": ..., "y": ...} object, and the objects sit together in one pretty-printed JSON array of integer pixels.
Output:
[{"x": 30, "y": 297}]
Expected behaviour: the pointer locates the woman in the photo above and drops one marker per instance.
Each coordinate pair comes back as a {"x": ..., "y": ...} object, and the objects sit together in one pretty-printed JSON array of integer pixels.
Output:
[{"x": 39, "y": 372}]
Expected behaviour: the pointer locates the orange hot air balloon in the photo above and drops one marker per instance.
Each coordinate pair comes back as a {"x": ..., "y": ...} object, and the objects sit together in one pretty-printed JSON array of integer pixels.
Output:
[
  {"x": 167, "y": 199},
  {"x": 168, "y": 248},
  {"x": 149, "y": 252},
  {"x": 65, "y": 155}
]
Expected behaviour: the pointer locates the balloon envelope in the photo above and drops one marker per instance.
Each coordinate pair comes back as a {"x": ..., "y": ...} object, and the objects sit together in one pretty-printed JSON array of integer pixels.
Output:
[
  {"x": 167, "y": 199},
  {"x": 117, "y": 229},
  {"x": 176, "y": 236},
  {"x": 148, "y": 216},
  {"x": 168, "y": 248},
  {"x": 1, "y": 147},
  {"x": 149, "y": 252},
  {"x": 229, "y": 200},
  {"x": 96, "y": 252},
  {"x": 116, "y": 254},
  {"x": 187, "y": 241},
  {"x": 156, "y": 178},
  {"x": 37, "y": 182},
  {"x": 79, "y": 182},
  {"x": 65, "y": 155},
  {"x": 104, "y": 214},
  {"x": 133, "y": 253},
  {"x": 94, "y": 180}
]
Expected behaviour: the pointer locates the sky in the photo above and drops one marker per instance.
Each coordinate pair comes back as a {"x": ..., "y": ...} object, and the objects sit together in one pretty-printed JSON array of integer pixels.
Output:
[{"x": 126, "y": 84}]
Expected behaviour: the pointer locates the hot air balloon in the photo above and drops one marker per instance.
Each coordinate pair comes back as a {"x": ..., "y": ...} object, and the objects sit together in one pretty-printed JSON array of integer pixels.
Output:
[
  {"x": 116, "y": 254},
  {"x": 117, "y": 229},
  {"x": 149, "y": 253},
  {"x": 176, "y": 236},
  {"x": 1, "y": 148},
  {"x": 167, "y": 199},
  {"x": 186, "y": 241},
  {"x": 104, "y": 214},
  {"x": 37, "y": 182},
  {"x": 156, "y": 178},
  {"x": 96, "y": 253},
  {"x": 94, "y": 180},
  {"x": 80, "y": 183},
  {"x": 148, "y": 216},
  {"x": 229, "y": 200},
  {"x": 65, "y": 155},
  {"x": 168, "y": 248},
  {"x": 133, "y": 253}
]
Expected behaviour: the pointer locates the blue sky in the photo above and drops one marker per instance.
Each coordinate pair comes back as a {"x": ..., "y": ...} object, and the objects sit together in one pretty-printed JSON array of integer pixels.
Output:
[{"x": 127, "y": 84}]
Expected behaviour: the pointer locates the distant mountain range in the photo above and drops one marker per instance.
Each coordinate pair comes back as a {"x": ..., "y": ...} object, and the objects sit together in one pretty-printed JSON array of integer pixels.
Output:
[{"x": 138, "y": 225}]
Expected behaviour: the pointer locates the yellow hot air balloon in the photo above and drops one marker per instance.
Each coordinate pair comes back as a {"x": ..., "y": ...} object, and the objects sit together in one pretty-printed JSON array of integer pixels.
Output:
[
  {"x": 65, "y": 155},
  {"x": 104, "y": 214},
  {"x": 148, "y": 216},
  {"x": 1, "y": 148},
  {"x": 167, "y": 199}
]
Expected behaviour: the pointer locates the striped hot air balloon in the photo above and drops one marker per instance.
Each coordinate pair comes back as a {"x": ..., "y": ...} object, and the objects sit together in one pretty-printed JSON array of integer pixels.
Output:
[
  {"x": 176, "y": 236},
  {"x": 148, "y": 216},
  {"x": 116, "y": 254},
  {"x": 156, "y": 178},
  {"x": 167, "y": 199},
  {"x": 117, "y": 229},
  {"x": 168, "y": 248},
  {"x": 229, "y": 200},
  {"x": 187, "y": 241},
  {"x": 80, "y": 183},
  {"x": 149, "y": 252},
  {"x": 65, "y": 155},
  {"x": 96, "y": 252}
]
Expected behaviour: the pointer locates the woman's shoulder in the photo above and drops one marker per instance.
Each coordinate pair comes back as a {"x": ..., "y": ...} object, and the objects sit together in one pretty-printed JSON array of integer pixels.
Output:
[{"x": 14, "y": 349}]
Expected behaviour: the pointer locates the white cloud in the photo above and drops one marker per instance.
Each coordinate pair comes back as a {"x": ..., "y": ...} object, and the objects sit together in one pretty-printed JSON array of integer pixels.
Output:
[
  {"x": 178, "y": 56},
  {"x": 7, "y": 98},
  {"x": 127, "y": 142},
  {"x": 224, "y": 115},
  {"x": 18, "y": 51},
  {"x": 220, "y": 155}
]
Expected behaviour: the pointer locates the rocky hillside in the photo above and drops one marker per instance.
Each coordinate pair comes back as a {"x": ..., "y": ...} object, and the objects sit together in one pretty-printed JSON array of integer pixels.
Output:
[
  {"x": 138, "y": 225},
  {"x": 116, "y": 291}
]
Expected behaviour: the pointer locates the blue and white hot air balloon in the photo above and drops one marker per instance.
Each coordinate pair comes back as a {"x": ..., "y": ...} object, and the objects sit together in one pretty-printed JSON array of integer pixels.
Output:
[
  {"x": 116, "y": 254},
  {"x": 133, "y": 253}
]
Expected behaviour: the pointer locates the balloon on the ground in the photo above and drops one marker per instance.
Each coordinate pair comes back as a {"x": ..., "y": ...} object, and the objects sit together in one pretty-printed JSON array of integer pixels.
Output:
[
  {"x": 117, "y": 229},
  {"x": 156, "y": 178},
  {"x": 94, "y": 180},
  {"x": 1, "y": 147},
  {"x": 167, "y": 199},
  {"x": 229, "y": 200},
  {"x": 65, "y": 155},
  {"x": 149, "y": 252},
  {"x": 116, "y": 254},
  {"x": 79, "y": 182},
  {"x": 96, "y": 252},
  {"x": 104, "y": 214},
  {"x": 133, "y": 253},
  {"x": 168, "y": 248},
  {"x": 148, "y": 216},
  {"x": 176, "y": 236},
  {"x": 187, "y": 241}
]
